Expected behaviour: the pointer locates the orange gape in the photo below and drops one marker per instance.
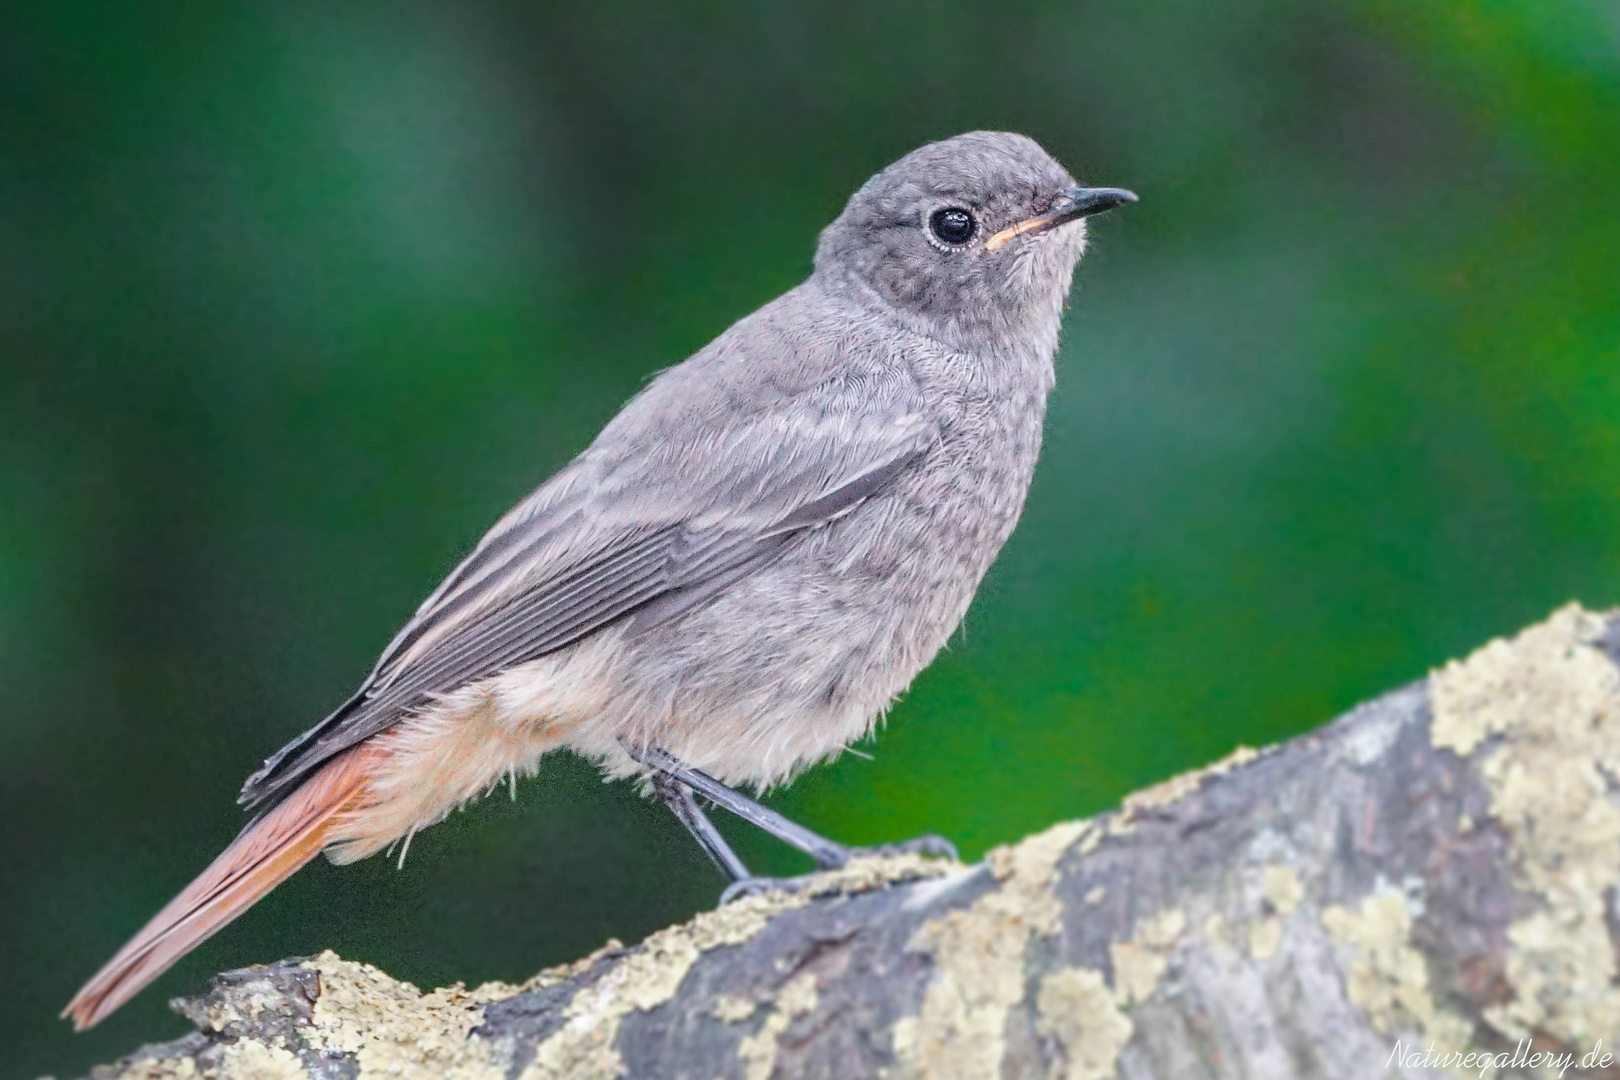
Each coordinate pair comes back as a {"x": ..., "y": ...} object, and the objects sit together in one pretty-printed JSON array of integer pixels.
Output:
[{"x": 266, "y": 853}]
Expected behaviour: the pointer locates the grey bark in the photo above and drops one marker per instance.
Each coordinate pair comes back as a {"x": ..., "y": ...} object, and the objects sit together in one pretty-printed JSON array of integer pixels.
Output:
[{"x": 1433, "y": 874}]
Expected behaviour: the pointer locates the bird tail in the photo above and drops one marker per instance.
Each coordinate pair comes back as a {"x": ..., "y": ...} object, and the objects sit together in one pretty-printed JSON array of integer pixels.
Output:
[{"x": 266, "y": 853}]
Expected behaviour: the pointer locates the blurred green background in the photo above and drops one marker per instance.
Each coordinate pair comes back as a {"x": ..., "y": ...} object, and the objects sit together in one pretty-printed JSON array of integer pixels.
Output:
[{"x": 296, "y": 297}]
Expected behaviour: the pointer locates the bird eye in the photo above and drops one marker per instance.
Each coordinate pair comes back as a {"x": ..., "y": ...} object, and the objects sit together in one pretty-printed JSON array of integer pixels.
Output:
[{"x": 952, "y": 225}]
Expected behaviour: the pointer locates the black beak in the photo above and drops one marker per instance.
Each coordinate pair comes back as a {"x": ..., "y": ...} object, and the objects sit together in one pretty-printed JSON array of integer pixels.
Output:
[
  {"x": 1070, "y": 205},
  {"x": 1084, "y": 201}
]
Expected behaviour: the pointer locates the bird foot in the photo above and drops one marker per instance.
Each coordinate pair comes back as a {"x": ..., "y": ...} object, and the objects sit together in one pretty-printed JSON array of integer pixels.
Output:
[
  {"x": 757, "y": 886},
  {"x": 928, "y": 844},
  {"x": 752, "y": 885}
]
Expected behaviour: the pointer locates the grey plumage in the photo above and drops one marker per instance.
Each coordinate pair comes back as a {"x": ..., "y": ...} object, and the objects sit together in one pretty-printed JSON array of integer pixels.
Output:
[
  {"x": 742, "y": 571},
  {"x": 775, "y": 536}
]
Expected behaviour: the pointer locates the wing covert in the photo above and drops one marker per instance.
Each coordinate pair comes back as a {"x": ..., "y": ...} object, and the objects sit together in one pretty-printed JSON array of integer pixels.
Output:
[{"x": 642, "y": 533}]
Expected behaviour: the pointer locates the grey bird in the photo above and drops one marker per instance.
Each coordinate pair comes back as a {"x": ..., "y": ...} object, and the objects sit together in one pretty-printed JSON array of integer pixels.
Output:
[{"x": 742, "y": 571}]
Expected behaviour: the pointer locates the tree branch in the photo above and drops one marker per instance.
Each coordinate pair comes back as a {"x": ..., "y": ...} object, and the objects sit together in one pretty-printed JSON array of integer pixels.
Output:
[{"x": 1438, "y": 867}]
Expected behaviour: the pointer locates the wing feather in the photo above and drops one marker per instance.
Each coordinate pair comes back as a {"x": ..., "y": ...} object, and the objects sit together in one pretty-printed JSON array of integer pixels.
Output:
[{"x": 641, "y": 533}]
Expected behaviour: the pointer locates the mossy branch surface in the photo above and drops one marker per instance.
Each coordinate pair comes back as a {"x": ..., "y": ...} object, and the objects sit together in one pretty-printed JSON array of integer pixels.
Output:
[{"x": 1437, "y": 868}]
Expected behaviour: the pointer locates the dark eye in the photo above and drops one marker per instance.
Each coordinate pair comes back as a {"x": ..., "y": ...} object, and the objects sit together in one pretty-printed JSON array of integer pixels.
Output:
[{"x": 952, "y": 225}]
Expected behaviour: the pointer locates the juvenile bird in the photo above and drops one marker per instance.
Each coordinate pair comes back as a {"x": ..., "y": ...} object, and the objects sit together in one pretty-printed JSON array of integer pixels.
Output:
[{"x": 742, "y": 571}]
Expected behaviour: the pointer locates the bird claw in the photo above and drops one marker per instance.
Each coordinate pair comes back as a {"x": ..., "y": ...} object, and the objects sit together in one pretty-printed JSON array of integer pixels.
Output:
[
  {"x": 758, "y": 886},
  {"x": 930, "y": 845}
]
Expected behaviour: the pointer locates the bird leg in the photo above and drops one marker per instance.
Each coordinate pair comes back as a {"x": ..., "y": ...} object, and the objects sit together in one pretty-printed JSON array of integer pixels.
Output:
[
  {"x": 678, "y": 797},
  {"x": 828, "y": 854}
]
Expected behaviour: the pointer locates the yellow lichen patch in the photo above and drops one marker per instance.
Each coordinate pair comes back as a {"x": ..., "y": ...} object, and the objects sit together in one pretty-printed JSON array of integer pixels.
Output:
[
  {"x": 871, "y": 872},
  {"x": 1265, "y": 935},
  {"x": 733, "y": 1010},
  {"x": 248, "y": 1058},
  {"x": 1282, "y": 892},
  {"x": 758, "y": 1051},
  {"x": 1384, "y": 975},
  {"x": 1136, "y": 971},
  {"x": 959, "y": 1030},
  {"x": 1033, "y": 861},
  {"x": 1215, "y": 928},
  {"x": 553, "y": 976},
  {"x": 1075, "y": 1008},
  {"x": 1180, "y": 786},
  {"x": 181, "y": 1068},
  {"x": 1281, "y": 888},
  {"x": 1550, "y": 698},
  {"x": 1162, "y": 930},
  {"x": 1140, "y": 962},
  {"x": 583, "y": 1048},
  {"x": 393, "y": 1029}
]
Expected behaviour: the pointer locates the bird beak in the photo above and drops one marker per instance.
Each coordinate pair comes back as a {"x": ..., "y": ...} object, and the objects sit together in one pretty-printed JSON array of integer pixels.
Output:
[{"x": 1069, "y": 206}]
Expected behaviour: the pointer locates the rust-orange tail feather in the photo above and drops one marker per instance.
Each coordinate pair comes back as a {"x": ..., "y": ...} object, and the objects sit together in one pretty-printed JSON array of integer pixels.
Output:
[{"x": 265, "y": 855}]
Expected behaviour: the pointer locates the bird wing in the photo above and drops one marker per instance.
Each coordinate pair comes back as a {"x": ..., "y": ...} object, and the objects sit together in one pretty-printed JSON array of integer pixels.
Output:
[{"x": 642, "y": 527}]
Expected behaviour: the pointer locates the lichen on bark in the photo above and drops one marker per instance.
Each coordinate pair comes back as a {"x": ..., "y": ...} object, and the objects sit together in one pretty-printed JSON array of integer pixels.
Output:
[{"x": 1437, "y": 866}]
